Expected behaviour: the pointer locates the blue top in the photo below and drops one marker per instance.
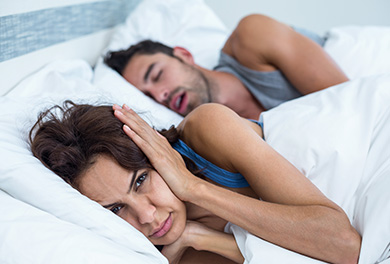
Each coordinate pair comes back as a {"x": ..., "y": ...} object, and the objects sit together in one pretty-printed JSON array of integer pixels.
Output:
[
  {"x": 269, "y": 88},
  {"x": 210, "y": 170}
]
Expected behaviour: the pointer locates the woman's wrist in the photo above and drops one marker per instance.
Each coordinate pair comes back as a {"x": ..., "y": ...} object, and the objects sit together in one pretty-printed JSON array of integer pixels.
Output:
[
  {"x": 189, "y": 191},
  {"x": 218, "y": 242}
]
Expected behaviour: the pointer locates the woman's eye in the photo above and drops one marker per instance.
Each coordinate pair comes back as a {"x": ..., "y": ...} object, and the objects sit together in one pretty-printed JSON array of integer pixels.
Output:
[
  {"x": 116, "y": 209},
  {"x": 140, "y": 180}
]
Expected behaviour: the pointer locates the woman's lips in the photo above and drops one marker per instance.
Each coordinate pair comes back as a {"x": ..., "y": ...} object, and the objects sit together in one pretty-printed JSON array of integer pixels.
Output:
[{"x": 164, "y": 228}]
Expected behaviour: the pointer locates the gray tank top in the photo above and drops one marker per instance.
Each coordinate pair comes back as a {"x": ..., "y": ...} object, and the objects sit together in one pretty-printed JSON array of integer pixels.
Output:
[{"x": 269, "y": 88}]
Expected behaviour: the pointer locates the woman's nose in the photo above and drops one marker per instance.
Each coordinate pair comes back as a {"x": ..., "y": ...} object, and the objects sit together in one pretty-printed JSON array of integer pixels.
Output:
[{"x": 146, "y": 214}]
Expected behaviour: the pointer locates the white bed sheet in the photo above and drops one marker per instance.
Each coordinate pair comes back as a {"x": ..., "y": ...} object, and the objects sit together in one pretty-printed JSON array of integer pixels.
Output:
[
  {"x": 361, "y": 51},
  {"x": 339, "y": 139}
]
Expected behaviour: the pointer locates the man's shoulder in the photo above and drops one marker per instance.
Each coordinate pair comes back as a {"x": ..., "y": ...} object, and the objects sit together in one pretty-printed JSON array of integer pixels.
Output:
[{"x": 254, "y": 41}]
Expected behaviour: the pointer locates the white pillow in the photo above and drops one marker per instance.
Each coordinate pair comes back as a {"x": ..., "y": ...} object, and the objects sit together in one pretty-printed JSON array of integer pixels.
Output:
[
  {"x": 113, "y": 85},
  {"x": 190, "y": 24},
  {"x": 26, "y": 179},
  {"x": 61, "y": 77},
  {"x": 29, "y": 235},
  {"x": 360, "y": 51}
]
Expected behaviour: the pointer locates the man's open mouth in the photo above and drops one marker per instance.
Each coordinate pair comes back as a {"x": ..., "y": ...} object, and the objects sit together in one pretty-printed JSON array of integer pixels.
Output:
[{"x": 179, "y": 103}]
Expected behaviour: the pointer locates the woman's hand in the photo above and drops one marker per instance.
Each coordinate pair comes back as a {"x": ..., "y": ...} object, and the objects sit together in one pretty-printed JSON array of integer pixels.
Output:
[
  {"x": 202, "y": 238},
  {"x": 175, "y": 251},
  {"x": 166, "y": 160}
]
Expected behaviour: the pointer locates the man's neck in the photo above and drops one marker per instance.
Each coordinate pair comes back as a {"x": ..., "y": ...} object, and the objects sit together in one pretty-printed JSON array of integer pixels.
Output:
[{"x": 228, "y": 90}]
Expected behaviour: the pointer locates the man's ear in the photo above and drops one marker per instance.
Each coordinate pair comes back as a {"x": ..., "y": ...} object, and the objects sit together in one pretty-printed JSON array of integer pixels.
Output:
[{"x": 184, "y": 55}]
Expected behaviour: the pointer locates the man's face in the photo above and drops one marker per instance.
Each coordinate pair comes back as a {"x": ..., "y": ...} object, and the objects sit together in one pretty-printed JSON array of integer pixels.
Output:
[{"x": 170, "y": 81}]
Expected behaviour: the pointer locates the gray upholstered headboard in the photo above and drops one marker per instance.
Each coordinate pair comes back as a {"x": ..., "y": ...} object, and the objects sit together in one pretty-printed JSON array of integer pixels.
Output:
[{"x": 34, "y": 33}]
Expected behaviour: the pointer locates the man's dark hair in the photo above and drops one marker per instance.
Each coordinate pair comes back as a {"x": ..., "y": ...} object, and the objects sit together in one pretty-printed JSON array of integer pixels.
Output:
[{"x": 118, "y": 60}]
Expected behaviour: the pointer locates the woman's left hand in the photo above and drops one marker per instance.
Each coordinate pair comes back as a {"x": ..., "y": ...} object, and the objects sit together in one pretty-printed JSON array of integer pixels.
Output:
[
  {"x": 189, "y": 237},
  {"x": 165, "y": 160},
  {"x": 175, "y": 251},
  {"x": 203, "y": 238}
]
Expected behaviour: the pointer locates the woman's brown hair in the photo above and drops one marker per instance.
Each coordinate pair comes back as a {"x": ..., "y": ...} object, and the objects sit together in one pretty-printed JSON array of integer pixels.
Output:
[{"x": 67, "y": 139}]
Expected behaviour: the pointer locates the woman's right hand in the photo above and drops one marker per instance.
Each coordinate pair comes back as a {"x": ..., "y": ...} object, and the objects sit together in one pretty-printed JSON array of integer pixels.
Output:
[{"x": 165, "y": 160}]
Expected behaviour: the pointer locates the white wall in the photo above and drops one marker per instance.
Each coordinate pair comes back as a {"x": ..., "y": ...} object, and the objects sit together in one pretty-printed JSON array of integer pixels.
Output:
[{"x": 316, "y": 15}]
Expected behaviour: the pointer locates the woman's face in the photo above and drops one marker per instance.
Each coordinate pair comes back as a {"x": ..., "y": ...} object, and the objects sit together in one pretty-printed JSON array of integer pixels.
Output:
[{"x": 142, "y": 198}]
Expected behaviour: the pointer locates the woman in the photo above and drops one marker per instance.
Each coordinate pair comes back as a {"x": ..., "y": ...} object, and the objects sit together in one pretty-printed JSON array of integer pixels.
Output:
[{"x": 150, "y": 185}]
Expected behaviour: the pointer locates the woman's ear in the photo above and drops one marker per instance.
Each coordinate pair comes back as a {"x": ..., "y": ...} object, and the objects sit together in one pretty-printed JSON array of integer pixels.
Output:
[{"x": 184, "y": 55}]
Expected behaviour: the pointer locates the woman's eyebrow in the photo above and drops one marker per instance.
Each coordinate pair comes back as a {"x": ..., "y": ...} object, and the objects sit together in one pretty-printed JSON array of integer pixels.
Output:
[
  {"x": 128, "y": 191},
  {"x": 132, "y": 181}
]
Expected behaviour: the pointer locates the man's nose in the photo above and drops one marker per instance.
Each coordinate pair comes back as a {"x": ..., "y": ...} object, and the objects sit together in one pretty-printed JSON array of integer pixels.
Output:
[{"x": 160, "y": 94}]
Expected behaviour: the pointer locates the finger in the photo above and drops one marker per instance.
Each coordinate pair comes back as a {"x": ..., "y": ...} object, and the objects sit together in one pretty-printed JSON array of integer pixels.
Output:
[
  {"x": 156, "y": 152},
  {"x": 126, "y": 107},
  {"x": 116, "y": 107},
  {"x": 136, "y": 123},
  {"x": 139, "y": 141},
  {"x": 146, "y": 133},
  {"x": 132, "y": 114},
  {"x": 158, "y": 133},
  {"x": 130, "y": 117}
]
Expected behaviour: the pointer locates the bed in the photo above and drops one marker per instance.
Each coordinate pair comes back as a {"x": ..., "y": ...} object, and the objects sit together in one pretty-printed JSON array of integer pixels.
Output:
[{"x": 43, "y": 220}]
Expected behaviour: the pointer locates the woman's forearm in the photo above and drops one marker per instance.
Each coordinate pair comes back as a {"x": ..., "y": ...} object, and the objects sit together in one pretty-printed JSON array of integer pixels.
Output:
[
  {"x": 314, "y": 230},
  {"x": 217, "y": 242}
]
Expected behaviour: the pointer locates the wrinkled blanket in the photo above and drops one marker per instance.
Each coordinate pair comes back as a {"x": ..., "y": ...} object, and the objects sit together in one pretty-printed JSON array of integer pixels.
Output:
[{"x": 340, "y": 139}]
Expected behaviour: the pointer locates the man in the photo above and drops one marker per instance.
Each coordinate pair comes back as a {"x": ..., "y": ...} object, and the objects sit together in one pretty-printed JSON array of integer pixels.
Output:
[{"x": 263, "y": 64}]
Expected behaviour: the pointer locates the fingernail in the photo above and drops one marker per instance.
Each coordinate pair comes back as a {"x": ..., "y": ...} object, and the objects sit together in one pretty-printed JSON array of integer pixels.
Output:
[
  {"x": 118, "y": 112},
  {"x": 116, "y": 107},
  {"x": 126, "y": 127},
  {"x": 125, "y": 106}
]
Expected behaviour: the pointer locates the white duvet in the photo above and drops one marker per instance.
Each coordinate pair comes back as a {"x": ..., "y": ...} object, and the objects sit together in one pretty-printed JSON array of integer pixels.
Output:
[{"x": 340, "y": 139}]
